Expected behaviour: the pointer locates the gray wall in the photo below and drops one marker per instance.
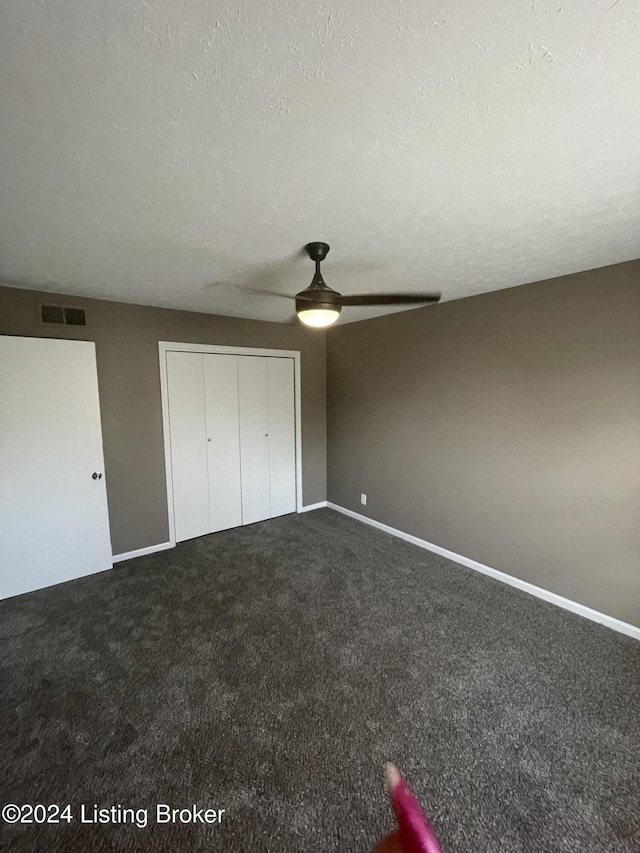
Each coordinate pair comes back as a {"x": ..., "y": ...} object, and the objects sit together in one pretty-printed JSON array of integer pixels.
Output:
[
  {"x": 126, "y": 339},
  {"x": 504, "y": 427}
]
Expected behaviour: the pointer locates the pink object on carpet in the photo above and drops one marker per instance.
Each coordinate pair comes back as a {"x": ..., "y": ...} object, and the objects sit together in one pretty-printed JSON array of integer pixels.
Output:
[{"x": 414, "y": 830}]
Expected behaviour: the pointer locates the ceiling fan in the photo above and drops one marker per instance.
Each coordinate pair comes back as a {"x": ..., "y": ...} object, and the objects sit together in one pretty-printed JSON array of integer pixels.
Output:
[{"x": 319, "y": 305}]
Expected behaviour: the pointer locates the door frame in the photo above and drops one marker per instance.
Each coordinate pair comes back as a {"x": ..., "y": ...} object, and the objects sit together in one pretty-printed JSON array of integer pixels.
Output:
[{"x": 172, "y": 346}]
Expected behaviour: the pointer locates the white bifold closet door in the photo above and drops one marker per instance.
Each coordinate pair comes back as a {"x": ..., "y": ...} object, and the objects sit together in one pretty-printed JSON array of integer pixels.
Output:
[
  {"x": 282, "y": 436},
  {"x": 223, "y": 441},
  {"x": 188, "y": 426},
  {"x": 54, "y": 523},
  {"x": 232, "y": 434},
  {"x": 254, "y": 439}
]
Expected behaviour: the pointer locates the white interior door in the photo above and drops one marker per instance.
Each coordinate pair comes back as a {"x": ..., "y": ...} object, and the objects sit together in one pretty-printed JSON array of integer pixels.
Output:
[
  {"x": 54, "y": 522},
  {"x": 188, "y": 436},
  {"x": 254, "y": 438},
  {"x": 282, "y": 436},
  {"x": 223, "y": 441}
]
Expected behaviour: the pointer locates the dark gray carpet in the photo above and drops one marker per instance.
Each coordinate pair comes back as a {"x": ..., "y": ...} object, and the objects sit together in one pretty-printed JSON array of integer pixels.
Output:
[{"x": 272, "y": 670}]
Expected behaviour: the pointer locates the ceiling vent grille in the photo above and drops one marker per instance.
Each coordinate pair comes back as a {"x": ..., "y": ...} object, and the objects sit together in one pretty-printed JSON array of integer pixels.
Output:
[{"x": 62, "y": 316}]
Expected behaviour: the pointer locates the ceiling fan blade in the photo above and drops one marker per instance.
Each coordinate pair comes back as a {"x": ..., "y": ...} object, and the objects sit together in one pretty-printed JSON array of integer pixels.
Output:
[
  {"x": 363, "y": 299},
  {"x": 262, "y": 292}
]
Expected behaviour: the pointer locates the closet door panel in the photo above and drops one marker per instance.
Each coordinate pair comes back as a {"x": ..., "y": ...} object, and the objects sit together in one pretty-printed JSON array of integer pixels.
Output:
[
  {"x": 187, "y": 425},
  {"x": 223, "y": 441},
  {"x": 282, "y": 436},
  {"x": 254, "y": 438}
]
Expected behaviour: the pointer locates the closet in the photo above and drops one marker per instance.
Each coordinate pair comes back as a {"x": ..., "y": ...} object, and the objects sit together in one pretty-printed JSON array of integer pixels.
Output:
[{"x": 231, "y": 425}]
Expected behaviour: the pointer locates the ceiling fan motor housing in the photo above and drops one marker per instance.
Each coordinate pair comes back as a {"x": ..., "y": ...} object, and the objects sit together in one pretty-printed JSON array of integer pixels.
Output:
[{"x": 318, "y": 298}]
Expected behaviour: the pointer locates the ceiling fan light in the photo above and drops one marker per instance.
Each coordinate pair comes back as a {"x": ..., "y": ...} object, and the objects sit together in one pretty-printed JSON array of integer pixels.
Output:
[{"x": 318, "y": 317}]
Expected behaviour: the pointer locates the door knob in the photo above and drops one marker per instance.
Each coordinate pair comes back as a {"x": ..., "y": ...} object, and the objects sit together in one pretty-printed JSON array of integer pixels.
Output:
[{"x": 97, "y": 475}]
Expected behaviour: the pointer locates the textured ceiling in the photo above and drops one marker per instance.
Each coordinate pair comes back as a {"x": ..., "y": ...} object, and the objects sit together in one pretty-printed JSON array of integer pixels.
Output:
[{"x": 169, "y": 151}]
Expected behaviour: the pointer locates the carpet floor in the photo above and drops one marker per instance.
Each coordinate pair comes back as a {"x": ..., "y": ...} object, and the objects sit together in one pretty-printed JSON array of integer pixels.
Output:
[{"x": 272, "y": 670}]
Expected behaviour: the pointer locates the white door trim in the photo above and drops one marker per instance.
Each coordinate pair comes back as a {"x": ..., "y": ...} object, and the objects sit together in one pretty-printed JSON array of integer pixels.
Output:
[
  {"x": 525, "y": 586},
  {"x": 172, "y": 346}
]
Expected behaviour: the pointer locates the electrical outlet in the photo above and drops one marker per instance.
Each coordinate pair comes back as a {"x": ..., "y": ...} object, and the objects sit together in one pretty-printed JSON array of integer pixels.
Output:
[{"x": 363, "y": 499}]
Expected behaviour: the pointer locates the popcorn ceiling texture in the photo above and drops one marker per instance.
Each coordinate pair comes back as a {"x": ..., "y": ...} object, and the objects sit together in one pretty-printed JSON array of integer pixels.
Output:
[{"x": 165, "y": 152}]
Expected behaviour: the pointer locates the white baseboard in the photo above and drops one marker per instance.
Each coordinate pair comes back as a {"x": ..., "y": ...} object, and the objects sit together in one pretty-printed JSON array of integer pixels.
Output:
[
  {"x": 525, "y": 586},
  {"x": 309, "y": 507},
  {"x": 151, "y": 549}
]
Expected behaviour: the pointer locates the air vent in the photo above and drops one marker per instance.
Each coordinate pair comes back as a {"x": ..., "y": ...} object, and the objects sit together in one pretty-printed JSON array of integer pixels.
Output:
[
  {"x": 63, "y": 316},
  {"x": 52, "y": 314},
  {"x": 74, "y": 317}
]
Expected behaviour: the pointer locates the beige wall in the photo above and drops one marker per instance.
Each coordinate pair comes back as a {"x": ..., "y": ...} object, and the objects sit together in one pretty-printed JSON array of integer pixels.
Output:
[
  {"x": 504, "y": 427},
  {"x": 126, "y": 339}
]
